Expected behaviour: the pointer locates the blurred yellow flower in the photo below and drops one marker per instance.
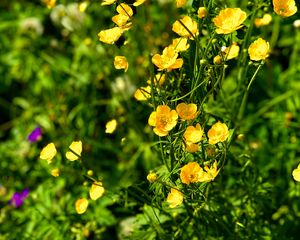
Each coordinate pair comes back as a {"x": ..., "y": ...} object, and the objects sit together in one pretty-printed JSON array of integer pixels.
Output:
[
  {"x": 180, "y": 44},
  {"x": 108, "y": 2},
  {"x": 96, "y": 190},
  {"x": 120, "y": 19},
  {"x": 210, "y": 173},
  {"x": 265, "y": 20},
  {"x": 202, "y": 12},
  {"x": 76, "y": 147},
  {"x": 152, "y": 177},
  {"x": 50, "y": 3},
  {"x": 125, "y": 9},
  {"x": 143, "y": 93},
  {"x": 81, "y": 205},
  {"x": 229, "y": 20},
  {"x": 217, "y": 60},
  {"x": 190, "y": 173},
  {"x": 48, "y": 152},
  {"x": 174, "y": 198},
  {"x": 110, "y": 36},
  {"x": 138, "y": 2},
  {"x": 231, "y": 51},
  {"x": 168, "y": 60},
  {"x": 158, "y": 79},
  {"x": 55, "y": 172},
  {"x": 191, "y": 147},
  {"x": 180, "y": 3},
  {"x": 163, "y": 119},
  {"x": 259, "y": 50},
  {"x": 193, "y": 134},
  {"x": 111, "y": 126},
  {"x": 218, "y": 133},
  {"x": 296, "y": 174},
  {"x": 285, "y": 8},
  {"x": 120, "y": 62},
  {"x": 187, "y": 111},
  {"x": 180, "y": 27}
]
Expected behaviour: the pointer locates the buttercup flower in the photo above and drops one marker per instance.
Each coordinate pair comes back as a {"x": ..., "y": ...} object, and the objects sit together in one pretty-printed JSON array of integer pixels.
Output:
[
  {"x": 265, "y": 20},
  {"x": 108, "y": 2},
  {"x": 96, "y": 190},
  {"x": 18, "y": 198},
  {"x": 76, "y": 147},
  {"x": 285, "y": 8},
  {"x": 187, "y": 111},
  {"x": 81, "y": 205},
  {"x": 174, "y": 198},
  {"x": 138, "y": 2},
  {"x": 159, "y": 79},
  {"x": 193, "y": 134},
  {"x": 202, "y": 12},
  {"x": 55, "y": 172},
  {"x": 180, "y": 27},
  {"x": 191, "y": 147},
  {"x": 120, "y": 62},
  {"x": 111, "y": 126},
  {"x": 180, "y": 44},
  {"x": 151, "y": 177},
  {"x": 296, "y": 174},
  {"x": 143, "y": 93},
  {"x": 50, "y": 3},
  {"x": 48, "y": 152},
  {"x": 229, "y": 20},
  {"x": 191, "y": 173},
  {"x": 110, "y": 36},
  {"x": 259, "y": 50},
  {"x": 168, "y": 60},
  {"x": 231, "y": 51},
  {"x": 210, "y": 173},
  {"x": 125, "y": 9},
  {"x": 120, "y": 19},
  {"x": 35, "y": 135},
  {"x": 163, "y": 119},
  {"x": 180, "y": 3},
  {"x": 218, "y": 133}
]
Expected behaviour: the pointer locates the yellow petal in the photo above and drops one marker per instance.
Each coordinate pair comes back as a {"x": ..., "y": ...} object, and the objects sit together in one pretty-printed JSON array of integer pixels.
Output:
[
  {"x": 81, "y": 205},
  {"x": 96, "y": 190},
  {"x": 48, "y": 152},
  {"x": 76, "y": 147}
]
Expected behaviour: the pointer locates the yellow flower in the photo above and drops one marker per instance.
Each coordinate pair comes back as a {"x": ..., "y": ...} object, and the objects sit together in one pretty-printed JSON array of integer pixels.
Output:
[
  {"x": 50, "y": 3},
  {"x": 190, "y": 173},
  {"x": 168, "y": 60},
  {"x": 202, "y": 12},
  {"x": 265, "y": 20},
  {"x": 187, "y": 111},
  {"x": 138, "y": 2},
  {"x": 48, "y": 152},
  {"x": 81, "y": 205},
  {"x": 296, "y": 174},
  {"x": 76, "y": 147},
  {"x": 143, "y": 93},
  {"x": 163, "y": 119},
  {"x": 218, "y": 133},
  {"x": 193, "y": 134},
  {"x": 120, "y": 19},
  {"x": 120, "y": 62},
  {"x": 108, "y": 2},
  {"x": 259, "y": 50},
  {"x": 285, "y": 8},
  {"x": 180, "y": 27},
  {"x": 210, "y": 173},
  {"x": 231, "y": 51},
  {"x": 96, "y": 190},
  {"x": 217, "y": 60},
  {"x": 55, "y": 172},
  {"x": 191, "y": 147},
  {"x": 151, "y": 177},
  {"x": 180, "y": 44},
  {"x": 229, "y": 20},
  {"x": 180, "y": 3},
  {"x": 125, "y": 9},
  {"x": 174, "y": 198},
  {"x": 111, "y": 126},
  {"x": 158, "y": 79},
  {"x": 110, "y": 36}
]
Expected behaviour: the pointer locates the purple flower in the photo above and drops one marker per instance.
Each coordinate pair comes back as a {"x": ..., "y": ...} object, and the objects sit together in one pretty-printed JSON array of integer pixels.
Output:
[
  {"x": 18, "y": 198},
  {"x": 35, "y": 135}
]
